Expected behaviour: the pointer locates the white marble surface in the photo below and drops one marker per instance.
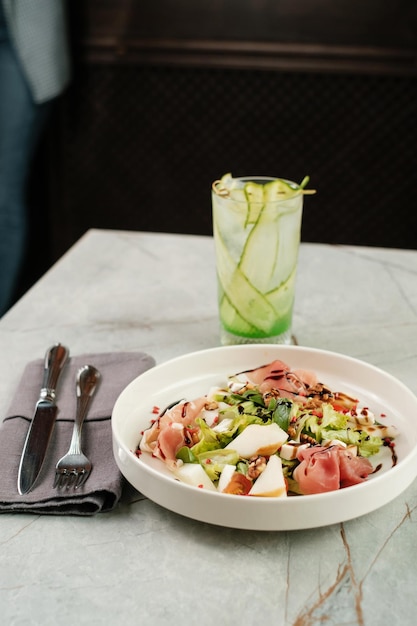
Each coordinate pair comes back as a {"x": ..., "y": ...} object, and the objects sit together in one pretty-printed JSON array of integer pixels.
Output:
[{"x": 143, "y": 564}]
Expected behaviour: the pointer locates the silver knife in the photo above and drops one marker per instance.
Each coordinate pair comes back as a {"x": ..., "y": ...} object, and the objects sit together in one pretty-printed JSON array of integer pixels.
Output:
[{"x": 43, "y": 420}]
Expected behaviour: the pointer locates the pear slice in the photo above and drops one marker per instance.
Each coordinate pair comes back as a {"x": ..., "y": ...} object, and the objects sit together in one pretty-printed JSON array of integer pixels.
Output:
[
  {"x": 225, "y": 477},
  {"x": 271, "y": 482},
  {"x": 258, "y": 439},
  {"x": 193, "y": 474}
]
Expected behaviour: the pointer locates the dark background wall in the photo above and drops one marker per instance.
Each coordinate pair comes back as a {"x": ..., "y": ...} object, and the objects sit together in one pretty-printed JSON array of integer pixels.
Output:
[{"x": 169, "y": 95}]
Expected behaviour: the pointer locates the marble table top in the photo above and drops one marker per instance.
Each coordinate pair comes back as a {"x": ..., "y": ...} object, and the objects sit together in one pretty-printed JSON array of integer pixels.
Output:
[{"x": 117, "y": 290}]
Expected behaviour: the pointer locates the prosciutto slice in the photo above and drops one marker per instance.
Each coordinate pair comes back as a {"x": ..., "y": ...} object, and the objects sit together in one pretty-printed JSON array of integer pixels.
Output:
[
  {"x": 278, "y": 376},
  {"x": 318, "y": 471},
  {"x": 324, "y": 469},
  {"x": 353, "y": 469},
  {"x": 169, "y": 432}
]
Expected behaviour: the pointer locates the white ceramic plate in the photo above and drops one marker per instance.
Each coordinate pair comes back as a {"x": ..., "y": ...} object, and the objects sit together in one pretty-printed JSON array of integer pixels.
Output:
[{"x": 192, "y": 375}]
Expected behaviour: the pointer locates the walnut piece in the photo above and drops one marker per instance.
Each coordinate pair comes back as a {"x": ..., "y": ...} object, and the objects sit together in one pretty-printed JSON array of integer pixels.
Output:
[{"x": 257, "y": 464}]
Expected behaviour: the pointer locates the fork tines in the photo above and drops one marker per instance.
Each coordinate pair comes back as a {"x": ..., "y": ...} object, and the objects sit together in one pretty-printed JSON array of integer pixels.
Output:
[{"x": 70, "y": 478}]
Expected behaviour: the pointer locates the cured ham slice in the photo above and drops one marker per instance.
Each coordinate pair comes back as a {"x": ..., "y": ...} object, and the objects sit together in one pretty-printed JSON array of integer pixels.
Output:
[
  {"x": 170, "y": 440},
  {"x": 308, "y": 378},
  {"x": 183, "y": 413},
  {"x": 318, "y": 471},
  {"x": 169, "y": 432},
  {"x": 324, "y": 469},
  {"x": 271, "y": 371},
  {"x": 353, "y": 469},
  {"x": 278, "y": 376}
]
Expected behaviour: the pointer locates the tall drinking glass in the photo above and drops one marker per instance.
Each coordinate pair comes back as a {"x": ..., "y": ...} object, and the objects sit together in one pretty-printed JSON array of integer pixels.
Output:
[{"x": 256, "y": 227}]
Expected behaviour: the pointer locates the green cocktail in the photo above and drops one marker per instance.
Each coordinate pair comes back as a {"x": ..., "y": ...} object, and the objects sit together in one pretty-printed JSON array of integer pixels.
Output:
[{"x": 256, "y": 227}]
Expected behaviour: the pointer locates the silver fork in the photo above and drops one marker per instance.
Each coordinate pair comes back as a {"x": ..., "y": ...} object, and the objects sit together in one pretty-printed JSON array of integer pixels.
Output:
[{"x": 73, "y": 469}]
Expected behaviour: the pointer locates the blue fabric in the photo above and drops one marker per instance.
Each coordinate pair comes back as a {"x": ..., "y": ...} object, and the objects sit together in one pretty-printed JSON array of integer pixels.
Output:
[
  {"x": 38, "y": 30},
  {"x": 20, "y": 123}
]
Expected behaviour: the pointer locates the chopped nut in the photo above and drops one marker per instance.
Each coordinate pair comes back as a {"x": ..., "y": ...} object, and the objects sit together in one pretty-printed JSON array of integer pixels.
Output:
[
  {"x": 257, "y": 464},
  {"x": 292, "y": 432},
  {"x": 313, "y": 403},
  {"x": 269, "y": 395},
  {"x": 320, "y": 392},
  {"x": 308, "y": 439},
  {"x": 211, "y": 406}
]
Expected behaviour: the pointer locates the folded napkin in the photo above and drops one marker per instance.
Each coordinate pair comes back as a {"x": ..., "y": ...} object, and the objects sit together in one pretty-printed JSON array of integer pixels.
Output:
[{"x": 103, "y": 489}]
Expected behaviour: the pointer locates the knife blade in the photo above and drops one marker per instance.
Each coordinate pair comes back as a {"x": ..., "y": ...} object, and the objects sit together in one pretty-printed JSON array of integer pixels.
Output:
[{"x": 43, "y": 420}]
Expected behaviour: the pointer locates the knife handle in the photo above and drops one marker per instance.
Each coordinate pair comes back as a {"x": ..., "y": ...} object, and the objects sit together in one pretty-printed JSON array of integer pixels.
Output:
[{"x": 55, "y": 359}]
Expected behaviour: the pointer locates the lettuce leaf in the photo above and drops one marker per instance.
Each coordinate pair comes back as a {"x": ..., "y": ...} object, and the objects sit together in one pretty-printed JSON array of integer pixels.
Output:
[
  {"x": 214, "y": 461},
  {"x": 253, "y": 395},
  {"x": 208, "y": 438},
  {"x": 367, "y": 445},
  {"x": 318, "y": 426},
  {"x": 282, "y": 410},
  {"x": 251, "y": 403},
  {"x": 186, "y": 455}
]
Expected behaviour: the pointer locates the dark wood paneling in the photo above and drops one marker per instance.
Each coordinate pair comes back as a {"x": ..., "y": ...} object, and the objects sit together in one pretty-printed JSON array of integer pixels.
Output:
[
  {"x": 380, "y": 23},
  {"x": 306, "y": 35}
]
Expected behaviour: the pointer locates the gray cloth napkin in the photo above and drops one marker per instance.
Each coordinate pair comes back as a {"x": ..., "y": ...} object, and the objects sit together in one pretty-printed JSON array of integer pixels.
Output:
[{"x": 103, "y": 489}]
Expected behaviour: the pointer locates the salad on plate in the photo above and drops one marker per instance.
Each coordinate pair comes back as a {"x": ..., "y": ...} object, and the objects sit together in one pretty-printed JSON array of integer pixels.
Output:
[{"x": 271, "y": 431}]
